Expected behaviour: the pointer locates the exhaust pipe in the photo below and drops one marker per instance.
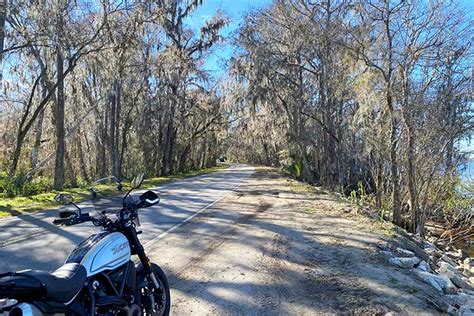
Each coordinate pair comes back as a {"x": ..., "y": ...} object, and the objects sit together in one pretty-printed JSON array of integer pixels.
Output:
[{"x": 25, "y": 309}]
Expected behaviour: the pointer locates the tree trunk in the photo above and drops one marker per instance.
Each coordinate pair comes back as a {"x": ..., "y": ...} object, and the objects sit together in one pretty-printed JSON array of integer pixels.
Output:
[
  {"x": 112, "y": 150},
  {"x": 397, "y": 218},
  {"x": 82, "y": 162},
  {"x": 124, "y": 146},
  {"x": 114, "y": 129},
  {"x": 265, "y": 150},
  {"x": 159, "y": 147},
  {"x": 37, "y": 145},
  {"x": 183, "y": 158},
  {"x": 378, "y": 189},
  {"x": 3, "y": 16},
  {"x": 416, "y": 225},
  {"x": 38, "y": 134},
  {"x": 203, "y": 154},
  {"x": 169, "y": 138},
  {"x": 396, "y": 207},
  {"x": 451, "y": 119},
  {"x": 300, "y": 133},
  {"x": 70, "y": 169},
  {"x": 167, "y": 154},
  {"x": 101, "y": 143},
  {"x": 16, "y": 153},
  {"x": 118, "y": 110},
  {"x": 59, "y": 125},
  {"x": 449, "y": 157}
]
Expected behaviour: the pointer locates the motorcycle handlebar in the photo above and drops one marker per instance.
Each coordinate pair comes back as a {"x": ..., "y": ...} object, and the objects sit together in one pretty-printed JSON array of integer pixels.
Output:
[
  {"x": 129, "y": 211},
  {"x": 61, "y": 221},
  {"x": 72, "y": 220}
]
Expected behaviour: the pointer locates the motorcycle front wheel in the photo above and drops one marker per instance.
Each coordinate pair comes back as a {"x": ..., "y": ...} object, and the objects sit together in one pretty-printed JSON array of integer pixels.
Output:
[{"x": 156, "y": 302}]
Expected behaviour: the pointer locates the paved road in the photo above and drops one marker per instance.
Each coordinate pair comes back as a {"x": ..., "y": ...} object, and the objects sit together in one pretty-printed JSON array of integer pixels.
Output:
[
  {"x": 270, "y": 248},
  {"x": 32, "y": 241}
]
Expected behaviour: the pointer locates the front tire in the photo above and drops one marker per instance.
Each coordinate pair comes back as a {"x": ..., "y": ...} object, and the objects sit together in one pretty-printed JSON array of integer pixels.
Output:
[{"x": 156, "y": 302}]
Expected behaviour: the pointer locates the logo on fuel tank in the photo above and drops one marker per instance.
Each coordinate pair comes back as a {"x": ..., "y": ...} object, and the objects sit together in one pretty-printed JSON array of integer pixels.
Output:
[{"x": 119, "y": 248}]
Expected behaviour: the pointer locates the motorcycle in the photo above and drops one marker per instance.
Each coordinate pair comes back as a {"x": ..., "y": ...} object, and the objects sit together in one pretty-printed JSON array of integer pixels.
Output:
[{"x": 99, "y": 276}]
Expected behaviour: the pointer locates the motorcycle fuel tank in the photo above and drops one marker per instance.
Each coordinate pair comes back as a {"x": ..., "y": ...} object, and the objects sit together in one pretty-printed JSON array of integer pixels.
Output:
[{"x": 100, "y": 252}]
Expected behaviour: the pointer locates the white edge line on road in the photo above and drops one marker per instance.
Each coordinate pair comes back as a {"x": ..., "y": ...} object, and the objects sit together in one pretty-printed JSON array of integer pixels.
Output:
[
  {"x": 170, "y": 230},
  {"x": 40, "y": 215},
  {"x": 47, "y": 213}
]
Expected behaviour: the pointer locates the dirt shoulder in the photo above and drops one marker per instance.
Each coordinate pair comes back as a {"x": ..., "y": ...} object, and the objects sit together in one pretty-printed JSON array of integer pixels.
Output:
[{"x": 274, "y": 248}]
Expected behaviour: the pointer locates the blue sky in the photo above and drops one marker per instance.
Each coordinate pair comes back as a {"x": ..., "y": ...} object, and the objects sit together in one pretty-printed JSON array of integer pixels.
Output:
[{"x": 235, "y": 10}]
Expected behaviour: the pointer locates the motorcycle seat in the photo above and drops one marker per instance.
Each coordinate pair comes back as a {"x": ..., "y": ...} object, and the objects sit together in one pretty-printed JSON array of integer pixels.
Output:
[{"x": 60, "y": 286}]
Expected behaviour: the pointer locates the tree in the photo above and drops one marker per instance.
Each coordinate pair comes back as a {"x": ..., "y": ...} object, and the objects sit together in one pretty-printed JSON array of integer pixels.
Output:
[
  {"x": 349, "y": 93},
  {"x": 3, "y": 15}
]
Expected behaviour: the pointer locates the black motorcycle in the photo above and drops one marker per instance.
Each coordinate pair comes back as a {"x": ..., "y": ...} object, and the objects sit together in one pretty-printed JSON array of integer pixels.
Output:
[{"x": 99, "y": 277}]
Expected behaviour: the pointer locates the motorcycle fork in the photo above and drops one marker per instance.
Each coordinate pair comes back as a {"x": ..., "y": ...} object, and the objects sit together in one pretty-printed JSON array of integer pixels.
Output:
[
  {"x": 148, "y": 268},
  {"x": 140, "y": 252}
]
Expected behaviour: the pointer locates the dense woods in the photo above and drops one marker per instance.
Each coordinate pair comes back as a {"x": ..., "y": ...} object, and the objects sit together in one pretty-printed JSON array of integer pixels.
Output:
[
  {"x": 100, "y": 88},
  {"x": 361, "y": 96},
  {"x": 371, "y": 97}
]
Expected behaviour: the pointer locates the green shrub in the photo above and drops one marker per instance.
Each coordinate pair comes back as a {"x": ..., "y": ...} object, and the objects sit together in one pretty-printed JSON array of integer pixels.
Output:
[
  {"x": 11, "y": 186},
  {"x": 37, "y": 185},
  {"x": 298, "y": 168},
  {"x": 3, "y": 181},
  {"x": 290, "y": 165},
  {"x": 359, "y": 196}
]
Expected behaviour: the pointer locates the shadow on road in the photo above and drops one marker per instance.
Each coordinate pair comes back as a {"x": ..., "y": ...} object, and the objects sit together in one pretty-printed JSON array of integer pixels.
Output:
[{"x": 259, "y": 253}]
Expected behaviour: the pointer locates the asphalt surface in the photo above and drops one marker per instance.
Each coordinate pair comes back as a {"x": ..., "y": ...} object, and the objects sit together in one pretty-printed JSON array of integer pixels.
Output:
[{"x": 33, "y": 242}]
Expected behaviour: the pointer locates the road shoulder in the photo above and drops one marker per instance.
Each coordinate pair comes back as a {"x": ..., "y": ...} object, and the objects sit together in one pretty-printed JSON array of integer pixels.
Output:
[{"x": 272, "y": 247}]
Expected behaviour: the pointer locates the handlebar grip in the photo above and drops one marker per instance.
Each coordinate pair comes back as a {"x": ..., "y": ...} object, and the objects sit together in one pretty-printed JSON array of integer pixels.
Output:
[{"x": 62, "y": 221}]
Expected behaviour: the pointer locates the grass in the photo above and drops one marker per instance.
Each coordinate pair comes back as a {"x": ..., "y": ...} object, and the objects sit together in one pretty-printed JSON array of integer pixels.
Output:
[
  {"x": 340, "y": 205},
  {"x": 23, "y": 205},
  {"x": 298, "y": 186},
  {"x": 387, "y": 228},
  {"x": 311, "y": 209}
]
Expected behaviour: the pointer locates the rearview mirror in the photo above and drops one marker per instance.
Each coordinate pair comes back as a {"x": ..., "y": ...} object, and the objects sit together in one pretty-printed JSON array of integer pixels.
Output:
[
  {"x": 137, "y": 181},
  {"x": 63, "y": 198},
  {"x": 149, "y": 198}
]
